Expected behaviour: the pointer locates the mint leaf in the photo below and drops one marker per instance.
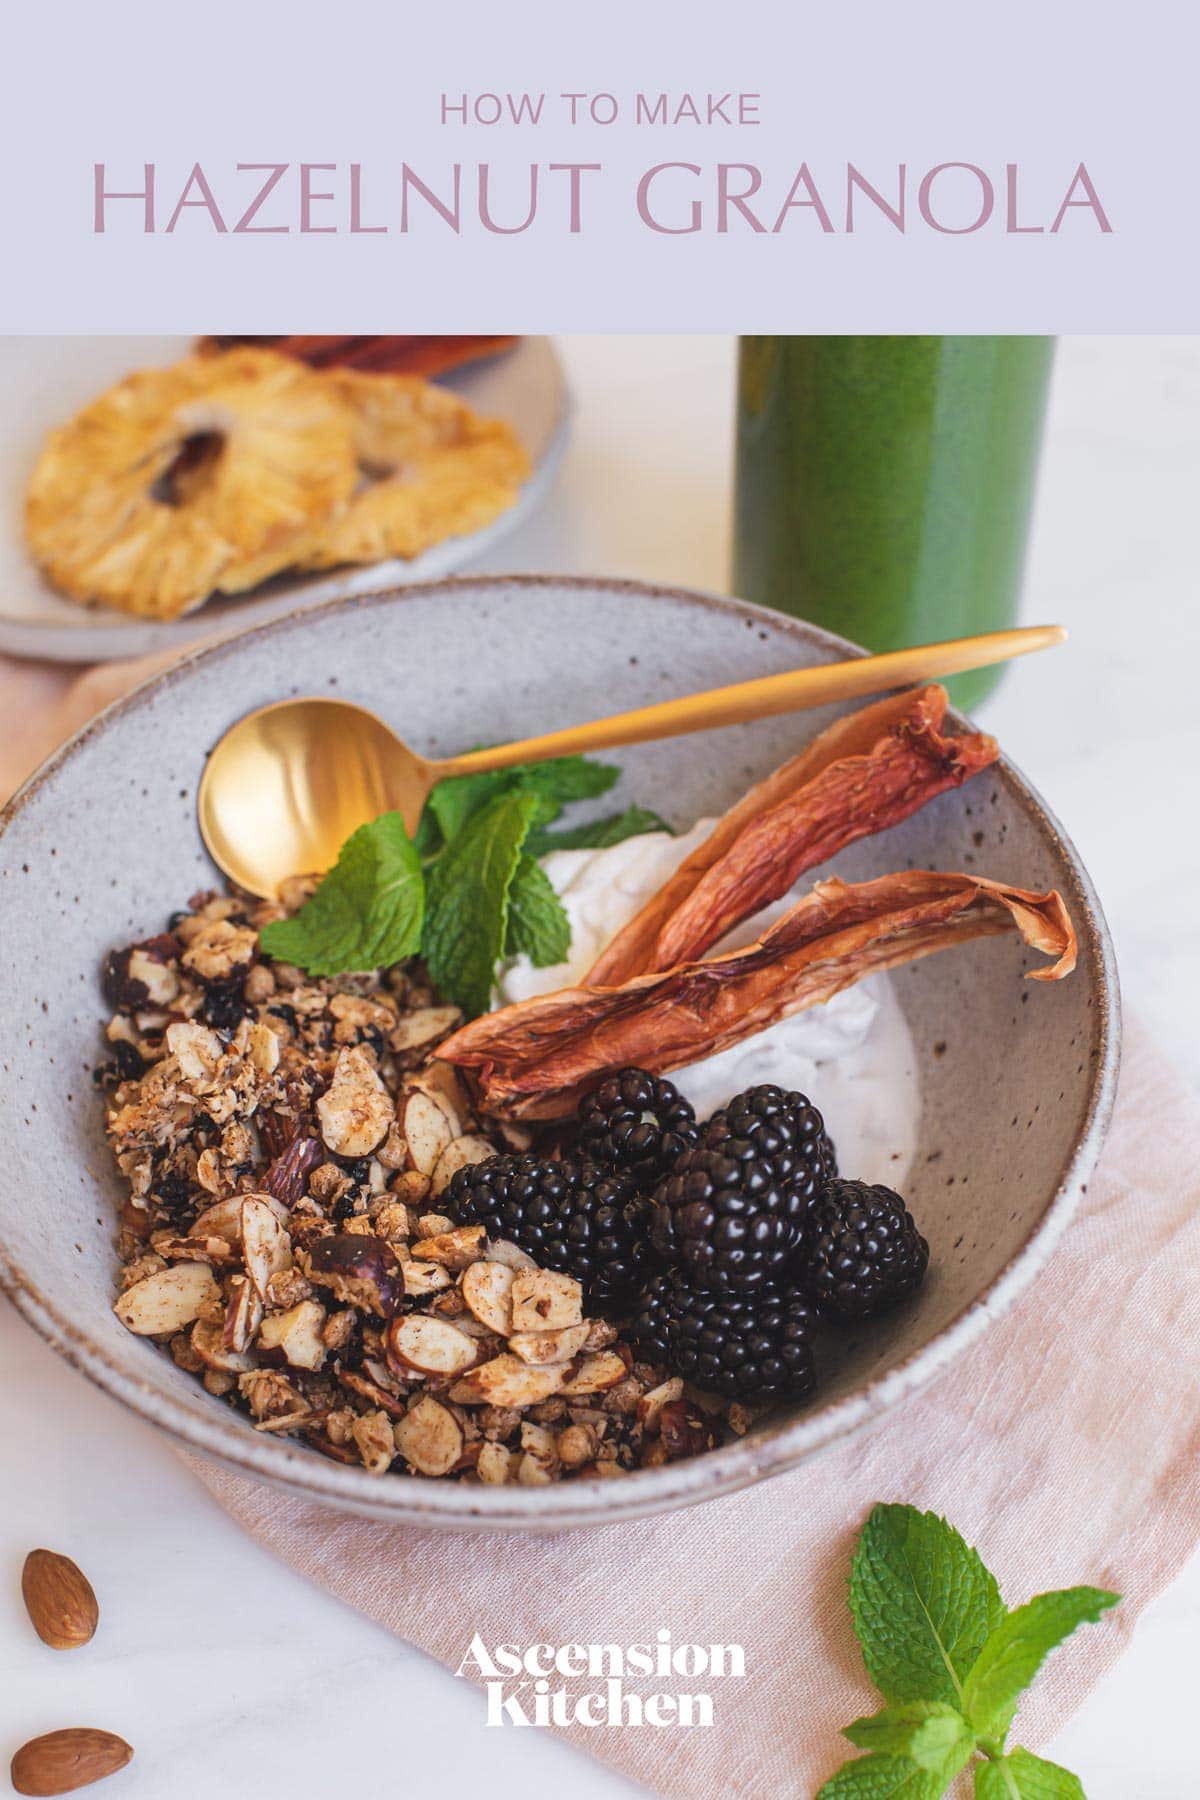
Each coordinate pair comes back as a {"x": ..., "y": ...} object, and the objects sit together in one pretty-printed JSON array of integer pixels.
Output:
[
  {"x": 928, "y": 1732},
  {"x": 1023, "y": 1776},
  {"x": 923, "y": 1604},
  {"x": 455, "y": 801},
  {"x": 883, "y": 1778},
  {"x": 537, "y": 921},
  {"x": 468, "y": 900},
  {"x": 1016, "y": 1650},
  {"x": 566, "y": 779},
  {"x": 367, "y": 912},
  {"x": 614, "y": 828},
  {"x": 428, "y": 837}
]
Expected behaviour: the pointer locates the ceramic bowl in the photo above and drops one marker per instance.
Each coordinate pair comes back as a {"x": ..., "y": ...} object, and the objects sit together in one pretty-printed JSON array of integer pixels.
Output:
[{"x": 1017, "y": 1078}]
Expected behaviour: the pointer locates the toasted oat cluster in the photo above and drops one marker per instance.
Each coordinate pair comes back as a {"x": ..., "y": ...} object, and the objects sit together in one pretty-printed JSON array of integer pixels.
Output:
[{"x": 286, "y": 1142}]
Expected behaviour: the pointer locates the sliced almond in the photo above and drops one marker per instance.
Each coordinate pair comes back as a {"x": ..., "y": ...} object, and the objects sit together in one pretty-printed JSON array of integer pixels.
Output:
[
  {"x": 459, "y": 1154},
  {"x": 266, "y": 1246},
  {"x": 369, "y": 1389},
  {"x": 423, "y": 1278},
  {"x": 168, "y": 1300},
  {"x": 456, "y": 1249},
  {"x": 487, "y": 1289},
  {"x": 428, "y": 1025},
  {"x": 466, "y": 1321},
  {"x": 497, "y": 1464},
  {"x": 539, "y": 1464},
  {"x": 243, "y": 1314},
  {"x": 297, "y": 1333},
  {"x": 429, "y": 1438},
  {"x": 224, "y": 1218},
  {"x": 595, "y": 1373},
  {"x": 441, "y": 1083},
  {"x": 426, "y": 1129},
  {"x": 507, "y": 1381},
  {"x": 212, "y": 1250},
  {"x": 549, "y": 1346},
  {"x": 652, "y": 1402},
  {"x": 542, "y": 1300},
  {"x": 510, "y": 1255},
  {"x": 208, "y": 1341},
  {"x": 356, "y": 1109},
  {"x": 429, "y": 1346}
]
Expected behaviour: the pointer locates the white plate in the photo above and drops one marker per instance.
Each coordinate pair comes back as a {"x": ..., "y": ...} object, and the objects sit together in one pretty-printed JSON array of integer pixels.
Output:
[{"x": 43, "y": 381}]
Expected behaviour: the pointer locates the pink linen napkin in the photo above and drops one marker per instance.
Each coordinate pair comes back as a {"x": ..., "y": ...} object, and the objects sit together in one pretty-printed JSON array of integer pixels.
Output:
[{"x": 1065, "y": 1444}]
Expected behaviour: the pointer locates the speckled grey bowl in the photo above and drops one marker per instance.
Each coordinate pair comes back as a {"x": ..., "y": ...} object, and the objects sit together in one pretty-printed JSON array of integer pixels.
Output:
[{"x": 101, "y": 845}]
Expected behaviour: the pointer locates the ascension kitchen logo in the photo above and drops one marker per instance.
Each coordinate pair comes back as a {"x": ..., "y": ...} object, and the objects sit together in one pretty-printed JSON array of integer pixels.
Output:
[{"x": 542, "y": 1684}]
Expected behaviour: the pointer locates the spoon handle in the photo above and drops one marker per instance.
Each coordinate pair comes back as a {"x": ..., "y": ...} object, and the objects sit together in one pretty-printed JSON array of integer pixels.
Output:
[{"x": 766, "y": 697}]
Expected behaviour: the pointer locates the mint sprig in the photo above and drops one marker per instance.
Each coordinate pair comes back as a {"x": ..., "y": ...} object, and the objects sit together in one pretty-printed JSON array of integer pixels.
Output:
[
  {"x": 368, "y": 911},
  {"x": 598, "y": 834},
  {"x": 537, "y": 921},
  {"x": 469, "y": 896},
  {"x": 923, "y": 1604},
  {"x": 558, "y": 783},
  {"x": 466, "y": 891},
  {"x": 952, "y": 1661},
  {"x": 1024, "y": 1776},
  {"x": 1016, "y": 1650}
]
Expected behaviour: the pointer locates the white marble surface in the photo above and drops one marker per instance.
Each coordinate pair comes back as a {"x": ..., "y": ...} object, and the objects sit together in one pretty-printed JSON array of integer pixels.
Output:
[{"x": 233, "y": 1676}]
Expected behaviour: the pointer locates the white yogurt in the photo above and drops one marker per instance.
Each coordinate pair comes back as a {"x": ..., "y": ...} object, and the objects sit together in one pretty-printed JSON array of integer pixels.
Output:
[{"x": 852, "y": 1056}]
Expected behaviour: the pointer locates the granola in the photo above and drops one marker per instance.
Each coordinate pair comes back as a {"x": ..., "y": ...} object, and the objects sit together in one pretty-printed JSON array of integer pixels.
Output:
[{"x": 285, "y": 1142}]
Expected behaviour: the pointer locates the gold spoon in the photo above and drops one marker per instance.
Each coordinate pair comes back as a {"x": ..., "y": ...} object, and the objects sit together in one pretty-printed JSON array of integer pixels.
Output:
[{"x": 285, "y": 786}]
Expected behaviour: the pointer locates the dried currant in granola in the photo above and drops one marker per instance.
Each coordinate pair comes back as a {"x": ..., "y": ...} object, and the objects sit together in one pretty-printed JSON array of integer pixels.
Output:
[
  {"x": 125, "y": 1064},
  {"x": 174, "y": 1194},
  {"x": 224, "y": 1005}
]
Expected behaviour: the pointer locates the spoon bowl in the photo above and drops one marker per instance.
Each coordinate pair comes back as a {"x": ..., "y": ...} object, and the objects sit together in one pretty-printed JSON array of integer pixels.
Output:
[{"x": 287, "y": 785}]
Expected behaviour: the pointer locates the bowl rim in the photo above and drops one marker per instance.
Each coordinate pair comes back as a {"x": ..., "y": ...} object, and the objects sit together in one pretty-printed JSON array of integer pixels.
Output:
[{"x": 731, "y": 1467}]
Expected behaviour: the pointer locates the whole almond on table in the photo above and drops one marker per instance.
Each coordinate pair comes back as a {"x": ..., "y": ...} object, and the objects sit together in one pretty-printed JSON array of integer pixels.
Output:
[
  {"x": 59, "y": 1599},
  {"x": 62, "y": 1761}
]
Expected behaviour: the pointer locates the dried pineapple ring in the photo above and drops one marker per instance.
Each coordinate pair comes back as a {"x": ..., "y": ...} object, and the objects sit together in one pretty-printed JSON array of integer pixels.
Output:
[
  {"x": 182, "y": 481},
  {"x": 431, "y": 469}
]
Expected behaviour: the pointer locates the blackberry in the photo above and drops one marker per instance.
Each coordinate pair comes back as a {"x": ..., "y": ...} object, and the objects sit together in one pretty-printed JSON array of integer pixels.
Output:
[
  {"x": 638, "y": 1125},
  {"x": 755, "y": 1346},
  {"x": 732, "y": 1227},
  {"x": 785, "y": 1128},
  {"x": 864, "y": 1251},
  {"x": 571, "y": 1216}
]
